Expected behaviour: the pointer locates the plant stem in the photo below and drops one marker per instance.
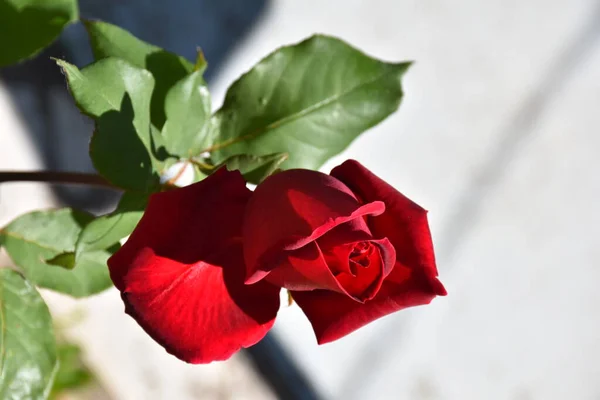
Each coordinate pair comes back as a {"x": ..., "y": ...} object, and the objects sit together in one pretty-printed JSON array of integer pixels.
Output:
[
  {"x": 201, "y": 164},
  {"x": 56, "y": 177}
]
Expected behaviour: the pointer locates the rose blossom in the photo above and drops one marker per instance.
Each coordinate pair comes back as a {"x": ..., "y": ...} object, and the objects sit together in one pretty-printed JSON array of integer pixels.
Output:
[
  {"x": 202, "y": 270},
  {"x": 348, "y": 246}
]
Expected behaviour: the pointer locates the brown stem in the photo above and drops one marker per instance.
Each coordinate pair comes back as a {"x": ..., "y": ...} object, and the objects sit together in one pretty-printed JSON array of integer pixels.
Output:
[{"x": 56, "y": 177}]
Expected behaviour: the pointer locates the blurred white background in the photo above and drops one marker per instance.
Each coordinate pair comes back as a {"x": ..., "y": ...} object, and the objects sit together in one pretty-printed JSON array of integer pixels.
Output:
[{"x": 498, "y": 137}]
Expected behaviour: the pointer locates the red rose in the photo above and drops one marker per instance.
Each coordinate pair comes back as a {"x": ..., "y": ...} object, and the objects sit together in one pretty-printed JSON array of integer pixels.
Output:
[
  {"x": 202, "y": 271},
  {"x": 348, "y": 246}
]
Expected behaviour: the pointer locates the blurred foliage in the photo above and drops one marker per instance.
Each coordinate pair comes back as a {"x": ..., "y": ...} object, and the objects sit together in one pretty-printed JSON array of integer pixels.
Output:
[{"x": 72, "y": 372}]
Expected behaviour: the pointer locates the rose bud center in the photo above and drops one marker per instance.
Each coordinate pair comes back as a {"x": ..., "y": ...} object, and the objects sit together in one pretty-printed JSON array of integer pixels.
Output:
[
  {"x": 357, "y": 267},
  {"x": 360, "y": 256}
]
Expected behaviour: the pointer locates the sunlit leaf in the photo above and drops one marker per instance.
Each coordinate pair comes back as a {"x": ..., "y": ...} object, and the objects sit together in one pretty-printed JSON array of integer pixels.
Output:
[
  {"x": 117, "y": 95},
  {"x": 106, "y": 231},
  {"x": 28, "y": 360},
  {"x": 309, "y": 100},
  {"x": 108, "y": 40},
  {"x": 33, "y": 238},
  {"x": 188, "y": 111}
]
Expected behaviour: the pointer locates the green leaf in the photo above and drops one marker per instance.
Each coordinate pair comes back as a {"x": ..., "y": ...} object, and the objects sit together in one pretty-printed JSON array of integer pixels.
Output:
[
  {"x": 158, "y": 148},
  {"x": 43, "y": 235},
  {"x": 72, "y": 373},
  {"x": 188, "y": 110},
  {"x": 28, "y": 362},
  {"x": 27, "y": 26},
  {"x": 199, "y": 174},
  {"x": 255, "y": 168},
  {"x": 65, "y": 260},
  {"x": 167, "y": 68},
  {"x": 309, "y": 100},
  {"x": 117, "y": 95},
  {"x": 106, "y": 231}
]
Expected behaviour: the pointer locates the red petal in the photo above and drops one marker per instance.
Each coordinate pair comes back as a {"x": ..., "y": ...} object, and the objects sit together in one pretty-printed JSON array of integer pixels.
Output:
[
  {"x": 334, "y": 315},
  {"x": 293, "y": 208},
  {"x": 181, "y": 272},
  {"x": 304, "y": 269},
  {"x": 404, "y": 222},
  {"x": 365, "y": 283}
]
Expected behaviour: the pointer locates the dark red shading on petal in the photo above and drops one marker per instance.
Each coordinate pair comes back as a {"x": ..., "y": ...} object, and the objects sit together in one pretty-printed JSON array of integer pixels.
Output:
[
  {"x": 181, "y": 272},
  {"x": 291, "y": 209},
  {"x": 334, "y": 315},
  {"x": 404, "y": 222}
]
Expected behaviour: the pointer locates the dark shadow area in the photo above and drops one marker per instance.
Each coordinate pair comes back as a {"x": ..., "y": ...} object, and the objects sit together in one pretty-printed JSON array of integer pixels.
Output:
[
  {"x": 128, "y": 164},
  {"x": 170, "y": 69},
  {"x": 284, "y": 378},
  {"x": 44, "y": 24}
]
